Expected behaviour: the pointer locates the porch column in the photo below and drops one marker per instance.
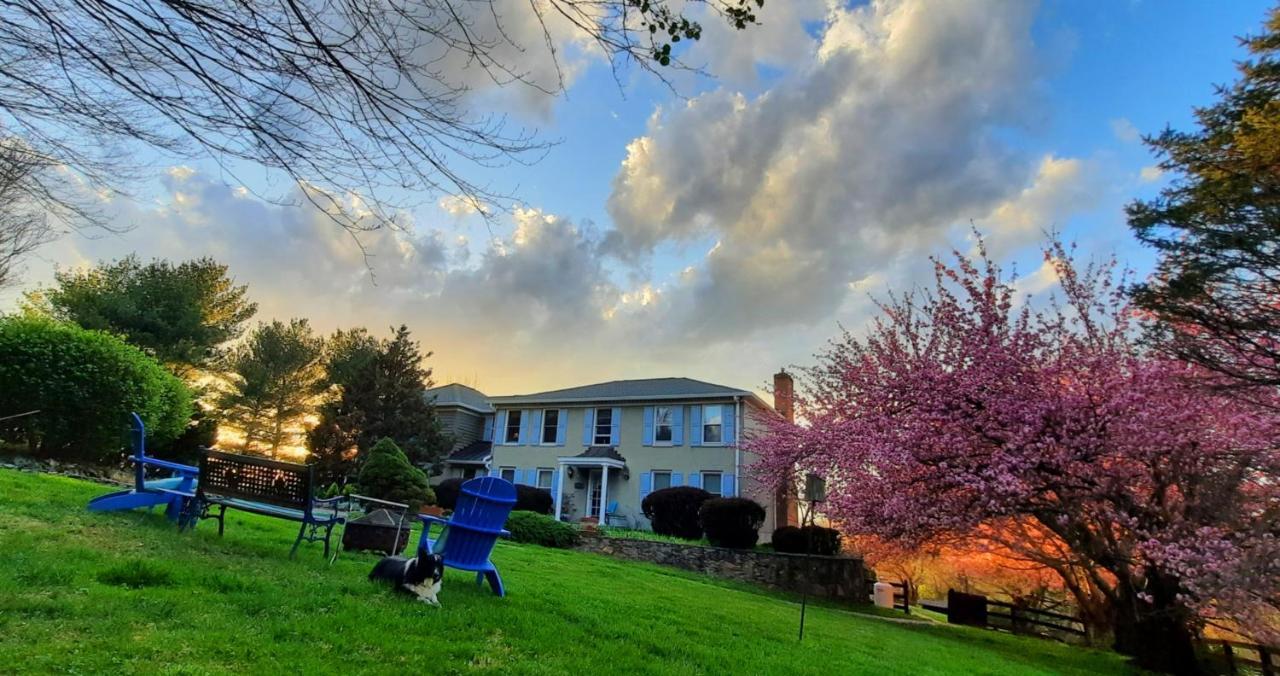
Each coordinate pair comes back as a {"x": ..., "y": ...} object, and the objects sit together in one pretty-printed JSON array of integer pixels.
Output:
[
  {"x": 604, "y": 494},
  {"x": 559, "y": 487}
]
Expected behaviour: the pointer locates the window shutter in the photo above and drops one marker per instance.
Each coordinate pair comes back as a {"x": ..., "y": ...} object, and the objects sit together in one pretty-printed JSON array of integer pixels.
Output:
[
  {"x": 555, "y": 481},
  {"x": 648, "y": 426},
  {"x": 695, "y": 425},
  {"x": 646, "y": 484},
  {"x": 615, "y": 425},
  {"x": 729, "y": 420},
  {"x": 535, "y": 427},
  {"x": 562, "y": 422},
  {"x": 588, "y": 422},
  {"x": 500, "y": 428},
  {"x": 726, "y": 486},
  {"x": 677, "y": 479},
  {"x": 518, "y": 478},
  {"x": 695, "y": 479},
  {"x": 486, "y": 434},
  {"x": 677, "y": 425},
  {"x": 494, "y": 471}
]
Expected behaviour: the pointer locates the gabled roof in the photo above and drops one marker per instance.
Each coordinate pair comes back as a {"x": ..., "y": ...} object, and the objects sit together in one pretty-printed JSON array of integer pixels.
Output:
[
  {"x": 623, "y": 390},
  {"x": 457, "y": 394},
  {"x": 474, "y": 452}
]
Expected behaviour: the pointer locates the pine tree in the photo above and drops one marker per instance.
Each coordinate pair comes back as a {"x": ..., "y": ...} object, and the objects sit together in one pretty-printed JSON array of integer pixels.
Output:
[
  {"x": 272, "y": 382},
  {"x": 1216, "y": 227}
]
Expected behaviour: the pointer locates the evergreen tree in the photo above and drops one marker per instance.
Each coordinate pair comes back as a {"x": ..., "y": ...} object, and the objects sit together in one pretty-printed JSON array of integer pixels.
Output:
[
  {"x": 272, "y": 382},
  {"x": 377, "y": 390},
  {"x": 1217, "y": 228}
]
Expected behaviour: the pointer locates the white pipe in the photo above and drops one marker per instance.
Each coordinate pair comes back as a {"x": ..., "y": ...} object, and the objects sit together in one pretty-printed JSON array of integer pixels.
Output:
[{"x": 737, "y": 446}]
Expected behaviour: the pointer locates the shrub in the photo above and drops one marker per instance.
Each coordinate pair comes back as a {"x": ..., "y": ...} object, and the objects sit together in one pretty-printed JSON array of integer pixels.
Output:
[
  {"x": 792, "y": 540},
  {"x": 84, "y": 383},
  {"x": 731, "y": 522},
  {"x": 540, "y": 529},
  {"x": 674, "y": 511},
  {"x": 534, "y": 499},
  {"x": 528, "y": 498},
  {"x": 387, "y": 475}
]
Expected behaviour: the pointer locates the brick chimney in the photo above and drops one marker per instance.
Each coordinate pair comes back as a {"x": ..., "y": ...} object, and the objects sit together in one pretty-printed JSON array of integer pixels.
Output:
[
  {"x": 787, "y": 512},
  {"x": 783, "y": 393}
]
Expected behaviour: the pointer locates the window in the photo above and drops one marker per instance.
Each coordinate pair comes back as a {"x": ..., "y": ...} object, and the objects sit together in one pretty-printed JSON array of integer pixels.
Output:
[
  {"x": 662, "y": 421},
  {"x": 661, "y": 480},
  {"x": 469, "y": 473},
  {"x": 604, "y": 427},
  {"x": 512, "y": 434},
  {"x": 711, "y": 424},
  {"x": 550, "y": 425},
  {"x": 508, "y": 473},
  {"x": 544, "y": 478},
  {"x": 712, "y": 483}
]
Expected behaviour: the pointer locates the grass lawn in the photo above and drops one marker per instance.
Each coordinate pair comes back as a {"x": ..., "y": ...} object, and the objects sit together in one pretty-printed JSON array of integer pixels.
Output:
[{"x": 124, "y": 592}]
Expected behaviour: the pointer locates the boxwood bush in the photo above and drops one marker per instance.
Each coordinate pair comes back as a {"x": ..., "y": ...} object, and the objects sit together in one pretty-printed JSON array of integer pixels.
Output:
[
  {"x": 674, "y": 511},
  {"x": 731, "y": 522},
  {"x": 540, "y": 529},
  {"x": 387, "y": 474},
  {"x": 84, "y": 383},
  {"x": 792, "y": 540},
  {"x": 528, "y": 498}
]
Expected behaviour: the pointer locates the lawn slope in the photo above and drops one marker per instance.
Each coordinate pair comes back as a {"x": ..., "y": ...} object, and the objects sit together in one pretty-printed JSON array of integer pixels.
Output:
[{"x": 110, "y": 593}]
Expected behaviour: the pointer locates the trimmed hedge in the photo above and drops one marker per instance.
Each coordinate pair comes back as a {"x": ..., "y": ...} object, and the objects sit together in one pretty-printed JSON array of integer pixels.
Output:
[
  {"x": 528, "y": 498},
  {"x": 792, "y": 540},
  {"x": 84, "y": 383},
  {"x": 732, "y": 522},
  {"x": 540, "y": 529},
  {"x": 674, "y": 511},
  {"x": 388, "y": 475}
]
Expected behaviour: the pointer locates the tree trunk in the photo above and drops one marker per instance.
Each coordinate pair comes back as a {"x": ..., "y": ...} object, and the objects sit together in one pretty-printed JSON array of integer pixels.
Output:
[{"x": 1157, "y": 631}]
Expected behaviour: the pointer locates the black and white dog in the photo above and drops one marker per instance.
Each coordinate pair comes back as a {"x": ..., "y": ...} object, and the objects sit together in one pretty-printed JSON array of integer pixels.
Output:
[{"x": 419, "y": 576}]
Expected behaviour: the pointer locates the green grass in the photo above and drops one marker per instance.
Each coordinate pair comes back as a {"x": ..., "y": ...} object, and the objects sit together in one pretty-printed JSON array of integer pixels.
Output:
[{"x": 124, "y": 592}]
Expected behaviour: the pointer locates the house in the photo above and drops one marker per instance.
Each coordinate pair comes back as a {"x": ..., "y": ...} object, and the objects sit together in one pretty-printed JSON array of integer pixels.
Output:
[{"x": 615, "y": 442}]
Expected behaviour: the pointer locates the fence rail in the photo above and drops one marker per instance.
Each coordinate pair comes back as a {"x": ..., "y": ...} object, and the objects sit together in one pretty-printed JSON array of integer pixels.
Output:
[
  {"x": 902, "y": 596},
  {"x": 1237, "y": 657},
  {"x": 977, "y": 610}
]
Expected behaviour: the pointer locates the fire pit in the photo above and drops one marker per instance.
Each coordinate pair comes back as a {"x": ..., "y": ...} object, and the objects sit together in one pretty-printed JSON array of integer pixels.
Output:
[{"x": 380, "y": 531}]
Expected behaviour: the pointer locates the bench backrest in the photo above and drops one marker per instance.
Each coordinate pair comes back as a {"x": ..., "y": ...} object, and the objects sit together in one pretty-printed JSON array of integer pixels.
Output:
[{"x": 231, "y": 475}]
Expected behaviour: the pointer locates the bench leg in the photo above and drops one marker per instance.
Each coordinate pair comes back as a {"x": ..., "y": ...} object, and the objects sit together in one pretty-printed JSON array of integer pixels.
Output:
[
  {"x": 301, "y": 532},
  {"x": 222, "y": 518}
]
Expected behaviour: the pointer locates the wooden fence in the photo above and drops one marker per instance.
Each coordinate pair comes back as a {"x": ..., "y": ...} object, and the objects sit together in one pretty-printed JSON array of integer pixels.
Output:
[
  {"x": 979, "y": 611},
  {"x": 902, "y": 596},
  {"x": 1235, "y": 657}
]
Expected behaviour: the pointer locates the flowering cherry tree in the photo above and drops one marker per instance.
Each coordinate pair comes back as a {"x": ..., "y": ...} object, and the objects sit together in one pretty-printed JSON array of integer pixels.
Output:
[{"x": 966, "y": 407}]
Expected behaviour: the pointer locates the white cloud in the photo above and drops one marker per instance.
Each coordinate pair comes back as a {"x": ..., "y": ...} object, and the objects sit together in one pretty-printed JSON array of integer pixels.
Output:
[
  {"x": 871, "y": 154},
  {"x": 1150, "y": 174},
  {"x": 1124, "y": 130}
]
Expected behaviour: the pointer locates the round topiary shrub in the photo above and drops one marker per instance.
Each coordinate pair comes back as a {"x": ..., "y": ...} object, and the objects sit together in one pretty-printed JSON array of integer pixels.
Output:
[
  {"x": 540, "y": 529},
  {"x": 792, "y": 540},
  {"x": 674, "y": 511},
  {"x": 447, "y": 493},
  {"x": 84, "y": 383},
  {"x": 388, "y": 475},
  {"x": 731, "y": 522},
  {"x": 533, "y": 499}
]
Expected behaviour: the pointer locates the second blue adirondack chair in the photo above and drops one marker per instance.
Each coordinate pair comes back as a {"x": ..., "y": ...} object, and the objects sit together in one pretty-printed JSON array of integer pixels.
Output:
[{"x": 477, "y": 522}]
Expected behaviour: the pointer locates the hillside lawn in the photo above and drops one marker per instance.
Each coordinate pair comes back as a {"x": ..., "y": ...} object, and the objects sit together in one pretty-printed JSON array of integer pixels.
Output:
[{"x": 124, "y": 592}]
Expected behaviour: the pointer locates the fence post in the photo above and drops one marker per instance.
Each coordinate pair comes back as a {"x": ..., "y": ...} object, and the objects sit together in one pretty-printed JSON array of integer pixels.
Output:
[
  {"x": 1228, "y": 653},
  {"x": 1264, "y": 656}
]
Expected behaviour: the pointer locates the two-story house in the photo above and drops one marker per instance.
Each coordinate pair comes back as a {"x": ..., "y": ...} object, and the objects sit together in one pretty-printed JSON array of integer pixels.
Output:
[{"x": 614, "y": 443}]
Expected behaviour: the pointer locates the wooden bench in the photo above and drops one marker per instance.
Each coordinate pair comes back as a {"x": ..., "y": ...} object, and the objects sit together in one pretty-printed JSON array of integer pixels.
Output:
[{"x": 282, "y": 490}]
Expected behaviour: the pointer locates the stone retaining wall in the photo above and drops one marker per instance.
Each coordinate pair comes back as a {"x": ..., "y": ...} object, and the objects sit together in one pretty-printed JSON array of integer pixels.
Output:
[{"x": 837, "y": 578}]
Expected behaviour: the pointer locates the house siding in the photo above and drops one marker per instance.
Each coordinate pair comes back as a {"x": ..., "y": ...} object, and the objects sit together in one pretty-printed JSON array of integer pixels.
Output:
[{"x": 463, "y": 425}]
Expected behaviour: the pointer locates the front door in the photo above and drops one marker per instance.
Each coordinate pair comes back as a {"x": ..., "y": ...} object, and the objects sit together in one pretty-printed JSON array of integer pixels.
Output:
[{"x": 593, "y": 494}]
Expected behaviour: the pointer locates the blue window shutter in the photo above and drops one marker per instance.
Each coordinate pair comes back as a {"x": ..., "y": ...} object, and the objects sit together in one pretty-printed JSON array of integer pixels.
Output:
[
  {"x": 588, "y": 421},
  {"x": 486, "y": 434},
  {"x": 648, "y": 426},
  {"x": 695, "y": 425},
  {"x": 519, "y": 476},
  {"x": 726, "y": 486},
  {"x": 646, "y": 484},
  {"x": 677, "y": 479},
  {"x": 555, "y": 482},
  {"x": 729, "y": 419},
  {"x": 695, "y": 479},
  {"x": 677, "y": 425},
  {"x": 535, "y": 427},
  {"x": 562, "y": 422},
  {"x": 614, "y": 436},
  {"x": 494, "y": 471},
  {"x": 500, "y": 428}
]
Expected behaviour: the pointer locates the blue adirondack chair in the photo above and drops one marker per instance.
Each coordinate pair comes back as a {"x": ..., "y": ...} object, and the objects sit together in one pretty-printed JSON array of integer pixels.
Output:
[
  {"x": 146, "y": 493},
  {"x": 477, "y": 522}
]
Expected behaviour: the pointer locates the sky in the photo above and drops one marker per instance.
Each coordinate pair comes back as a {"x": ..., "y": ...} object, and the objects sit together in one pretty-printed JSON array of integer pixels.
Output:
[{"x": 723, "y": 227}]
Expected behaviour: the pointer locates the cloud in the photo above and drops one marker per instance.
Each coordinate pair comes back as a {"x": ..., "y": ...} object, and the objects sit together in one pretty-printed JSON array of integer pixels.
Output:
[
  {"x": 1059, "y": 187},
  {"x": 872, "y": 154},
  {"x": 1124, "y": 130},
  {"x": 1150, "y": 174}
]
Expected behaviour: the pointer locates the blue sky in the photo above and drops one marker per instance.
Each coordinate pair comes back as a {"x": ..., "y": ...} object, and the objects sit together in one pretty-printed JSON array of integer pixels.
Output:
[{"x": 729, "y": 227}]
